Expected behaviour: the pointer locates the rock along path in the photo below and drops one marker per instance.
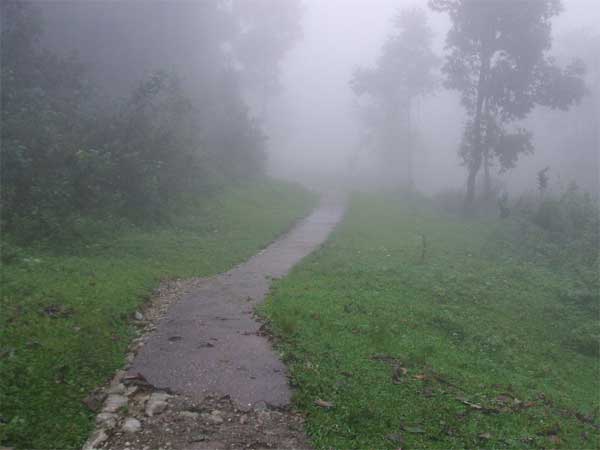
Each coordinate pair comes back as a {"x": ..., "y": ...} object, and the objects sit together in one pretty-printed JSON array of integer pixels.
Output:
[{"x": 209, "y": 342}]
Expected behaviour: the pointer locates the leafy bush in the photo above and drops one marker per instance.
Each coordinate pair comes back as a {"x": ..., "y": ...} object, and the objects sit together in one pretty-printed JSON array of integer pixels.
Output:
[{"x": 71, "y": 151}]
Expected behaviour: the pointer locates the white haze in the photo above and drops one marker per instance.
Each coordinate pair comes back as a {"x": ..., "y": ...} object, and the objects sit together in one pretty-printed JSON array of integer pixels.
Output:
[{"x": 314, "y": 132}]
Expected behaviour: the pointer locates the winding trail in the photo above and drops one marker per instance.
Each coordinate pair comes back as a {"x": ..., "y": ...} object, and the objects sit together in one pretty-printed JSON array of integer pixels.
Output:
[{"x": 209, "y": 343}]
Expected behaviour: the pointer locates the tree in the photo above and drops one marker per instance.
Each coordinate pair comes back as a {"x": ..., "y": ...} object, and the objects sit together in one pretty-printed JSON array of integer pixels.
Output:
[
  {"x": 70, "y": 147},
  {"x": 497, "y": 59},
  {"x": 404, "y": 72},
  {"x": 268, "y": 29}
]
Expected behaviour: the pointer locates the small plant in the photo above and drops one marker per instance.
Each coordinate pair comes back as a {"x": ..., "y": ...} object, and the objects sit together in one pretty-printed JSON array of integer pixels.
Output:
[
  {"x": 542, "y": 180},
  {"x": 503, "y": 205}
]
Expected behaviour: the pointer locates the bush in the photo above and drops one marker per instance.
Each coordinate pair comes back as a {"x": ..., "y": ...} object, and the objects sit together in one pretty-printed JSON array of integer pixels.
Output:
[{"x": 68, "y": 152}]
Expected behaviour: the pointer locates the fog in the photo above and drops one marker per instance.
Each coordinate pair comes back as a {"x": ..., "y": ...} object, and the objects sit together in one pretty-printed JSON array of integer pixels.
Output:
[
  {"x": 313, "y": 125},
  {"x": 322, "y": 92},
  {"x": 165, "y": 164}
]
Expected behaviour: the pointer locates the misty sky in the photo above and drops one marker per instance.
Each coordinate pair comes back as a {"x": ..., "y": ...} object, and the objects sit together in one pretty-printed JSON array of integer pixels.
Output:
[{"x": 339, "y": 35}]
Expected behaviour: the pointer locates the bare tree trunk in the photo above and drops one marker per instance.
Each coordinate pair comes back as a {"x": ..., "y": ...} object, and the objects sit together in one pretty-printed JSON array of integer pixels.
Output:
[
  {"x": 265, "y": 91},
  {"x": 475, "y": 159},
  {"x": 477, "y": 153},
  {"x": 487, "y": 182},
  {"x": 409, "y": 147},
  {"x": 474, "y": 167}
]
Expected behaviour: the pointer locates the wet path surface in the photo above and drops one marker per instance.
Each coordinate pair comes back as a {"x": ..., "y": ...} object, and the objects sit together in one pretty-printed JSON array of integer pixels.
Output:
[{"x": 209, "y": 342}]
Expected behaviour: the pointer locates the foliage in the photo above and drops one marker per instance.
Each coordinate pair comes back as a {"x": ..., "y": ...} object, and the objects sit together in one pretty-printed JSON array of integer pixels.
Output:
[
  {"x": 267, "y": 30},
  {"x": 403, "y": 73},
  {"x": 68, "y": 152},
  {"x": 497, "y": 59},
  {"x": 469, "y": 349},
  {"x": 542, "y": 180},
  {"x": 65, "y": 322},
  {"x": 561, "y": 230}
]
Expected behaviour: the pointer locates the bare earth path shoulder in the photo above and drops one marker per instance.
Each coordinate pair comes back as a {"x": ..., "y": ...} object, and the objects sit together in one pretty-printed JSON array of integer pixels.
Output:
[{"x": 205, "y": 377}]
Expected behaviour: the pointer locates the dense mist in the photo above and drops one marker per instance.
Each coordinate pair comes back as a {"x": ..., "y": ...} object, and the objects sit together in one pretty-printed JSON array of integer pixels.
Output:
[
  {"x": 168, "y": 166},
  {"x": 341, "y": 35}
]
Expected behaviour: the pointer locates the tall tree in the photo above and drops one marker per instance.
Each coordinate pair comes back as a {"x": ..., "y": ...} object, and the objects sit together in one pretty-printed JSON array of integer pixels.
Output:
[
  {"x": 404, "y": 71},
  {"x": 498, "y": 60},
  {"x": 268, "y": 29}
]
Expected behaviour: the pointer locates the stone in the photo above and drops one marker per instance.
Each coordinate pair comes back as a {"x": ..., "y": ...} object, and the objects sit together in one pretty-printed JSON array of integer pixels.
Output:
[
  {"x": 114, "y": 403},
  {"x": 97, "y": 438},
  {"x": 106, "y": 420},
  {"x": 212, "y": 418},
  {"x": 118, "y": 388},
  {"x": 131, "y": 390},
  {"x": 155, "y": 407},
  {"x": 156, "y": 404},
  {"x": 138, "y": 316},
  {"x": 189, "y": 414},
  {"x": 131, "y": 425}
]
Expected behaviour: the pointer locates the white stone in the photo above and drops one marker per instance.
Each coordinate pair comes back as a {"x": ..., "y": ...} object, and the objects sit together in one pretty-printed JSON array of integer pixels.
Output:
[
  {"x": 131, "y": 390},
  {"x": 189, "y": 414},
  {"x": 95, "y": 440},
  {"x": 114, "y": 403},
  {"x": 156, "y": 404},
  {"x": 131, "y": 425},
  {"x": 118, "y": 388},
  {"x": 106, "y": 420}
]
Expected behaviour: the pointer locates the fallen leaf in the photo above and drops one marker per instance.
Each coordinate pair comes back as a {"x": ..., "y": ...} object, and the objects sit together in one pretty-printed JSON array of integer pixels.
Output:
[
  {"x": 503, "y": 399},
  {"x": 468, "y": 403},
  {"x": 384, "y": 358},
  {"x": 428, "y": 391},
  {"x": 398, "y": 375},
  {"x": 395, "y": 438},
  {"x": 421, "y": 377},
  {"x": 324, "y": 404},
  {"x": 56, "y": 311},
  {"x": 485, "y": 436},
  {"x": 554, "y": 439}
]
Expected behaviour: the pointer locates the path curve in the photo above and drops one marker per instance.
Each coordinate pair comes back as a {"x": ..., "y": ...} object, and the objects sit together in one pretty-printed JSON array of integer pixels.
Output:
[{"x": 209, "y": 342}]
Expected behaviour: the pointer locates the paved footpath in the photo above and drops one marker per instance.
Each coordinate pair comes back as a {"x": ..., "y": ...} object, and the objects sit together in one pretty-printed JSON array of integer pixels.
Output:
[{"x": 209, "y": 343}]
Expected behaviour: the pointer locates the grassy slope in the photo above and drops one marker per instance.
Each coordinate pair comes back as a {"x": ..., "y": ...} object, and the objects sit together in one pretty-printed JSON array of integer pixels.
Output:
[
  {"x": 463, "y": 326},
  {"x": 49, "y": 364}
]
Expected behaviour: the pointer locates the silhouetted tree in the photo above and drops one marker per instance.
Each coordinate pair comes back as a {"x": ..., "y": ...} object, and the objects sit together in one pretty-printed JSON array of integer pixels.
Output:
[
  {"x": 268, "y": 29},
  {"x": 404, "y": 71},
  {"x": 497, "y": 59}
]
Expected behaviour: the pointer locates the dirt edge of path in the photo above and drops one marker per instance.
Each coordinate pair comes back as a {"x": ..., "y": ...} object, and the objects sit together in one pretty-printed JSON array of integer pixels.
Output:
[{"x": 132, "y": 414}]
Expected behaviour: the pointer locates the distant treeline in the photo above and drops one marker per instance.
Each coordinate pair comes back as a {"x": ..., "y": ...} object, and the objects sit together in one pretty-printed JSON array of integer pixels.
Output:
[{"x": 118, "y": 109}]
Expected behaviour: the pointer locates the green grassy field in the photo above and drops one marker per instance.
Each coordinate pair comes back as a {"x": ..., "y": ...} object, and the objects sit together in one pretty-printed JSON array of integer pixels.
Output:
[
  {"x": 65, "y": 321},
  {"x": 461, "y": 349}
]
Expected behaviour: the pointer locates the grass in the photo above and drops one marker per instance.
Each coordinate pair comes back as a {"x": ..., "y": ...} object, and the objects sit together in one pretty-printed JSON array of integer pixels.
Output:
[
  {"x": 65, "y": 322},
  {"x": 459, "y": 350}
]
